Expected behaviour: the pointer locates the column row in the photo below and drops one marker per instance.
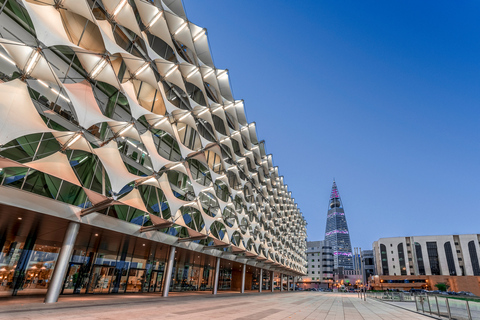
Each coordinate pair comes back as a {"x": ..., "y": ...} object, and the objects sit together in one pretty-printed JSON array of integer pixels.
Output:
[{"x": 182, "y": 271}]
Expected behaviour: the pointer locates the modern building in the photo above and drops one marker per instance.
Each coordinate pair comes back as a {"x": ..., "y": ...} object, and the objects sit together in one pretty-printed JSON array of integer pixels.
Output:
[
  {"x": 126, "y": 163},
  {"x": 319, "y": 265},
  {"x": 368, "y": 262},
  {"x": 427, "y": 260},
  {"x": 336, "y": 231},
  {"x": 455, "y": 255}
]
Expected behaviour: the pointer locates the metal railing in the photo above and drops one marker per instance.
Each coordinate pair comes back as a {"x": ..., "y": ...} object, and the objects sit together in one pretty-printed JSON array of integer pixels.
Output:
[
  {"x": 451, "y": 308},
  {"x": 392, "y": 296},
  {"x": 436, "y": 305}
]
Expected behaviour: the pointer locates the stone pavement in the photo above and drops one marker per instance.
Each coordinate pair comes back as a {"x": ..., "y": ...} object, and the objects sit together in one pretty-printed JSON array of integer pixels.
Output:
[{"x": 252, "y": 306}]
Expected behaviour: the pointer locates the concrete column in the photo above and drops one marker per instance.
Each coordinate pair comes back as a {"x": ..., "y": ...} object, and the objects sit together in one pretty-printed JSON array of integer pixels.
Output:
[
  {"x": 294, "y": 282},
  {"x": 244, "y": 270},
  {"x": 217, "y": 276},
  {"x": 288, "y": 282},
  {"x": 272, "y": 281},
  {"x": 62, "y": 263},
  {"x": 261, "y": 281},
  {"x": 281, "y": 281},
  {"x": 168, "y": 272}
]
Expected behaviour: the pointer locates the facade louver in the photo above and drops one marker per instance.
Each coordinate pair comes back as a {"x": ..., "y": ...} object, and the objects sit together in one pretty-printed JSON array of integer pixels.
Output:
[{"x": 113, "y": 116}]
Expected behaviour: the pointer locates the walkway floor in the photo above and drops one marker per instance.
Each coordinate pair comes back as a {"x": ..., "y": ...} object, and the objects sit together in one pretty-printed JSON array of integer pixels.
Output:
[{"x": 252, "y": 306}]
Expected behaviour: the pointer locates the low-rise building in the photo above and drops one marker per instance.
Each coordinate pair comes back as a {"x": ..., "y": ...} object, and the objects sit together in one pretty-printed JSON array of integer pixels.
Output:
[
  {"x": 454, "y": 255},
  {"x": 368, "y": 262},
  {"x": 423, "y": 261},
  {"x": 319, "y": 265}
]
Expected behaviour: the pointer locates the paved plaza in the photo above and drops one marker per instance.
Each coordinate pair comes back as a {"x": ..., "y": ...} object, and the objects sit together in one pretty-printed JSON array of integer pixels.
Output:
[{"x": 251, "y": 306}]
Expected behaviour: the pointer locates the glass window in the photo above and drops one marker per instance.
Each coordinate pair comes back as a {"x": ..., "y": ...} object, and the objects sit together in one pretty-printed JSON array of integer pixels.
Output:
[
  {"x": 433, "y": 258},
  {"x": 474, "y": 258},
  {"x": 383, "y": 251},
  {"x": 450, "y": 260},
  {"x": 418, "y": 252},
  {"x": 401, "y": 259}
]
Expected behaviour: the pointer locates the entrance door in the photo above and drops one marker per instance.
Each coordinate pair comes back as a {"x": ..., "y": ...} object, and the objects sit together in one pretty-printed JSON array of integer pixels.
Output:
[
  {"x": 73, "y": 283},
  {"x": 136, "y": 280},
  {"x": 156, "y": 281},
  {"x": 101, "y": 279}
]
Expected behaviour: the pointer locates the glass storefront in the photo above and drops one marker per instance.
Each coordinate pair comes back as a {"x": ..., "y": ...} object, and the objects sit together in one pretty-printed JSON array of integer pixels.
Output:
[
  {"x": 120, "y": 264},
  {"x": 26, "y": 267},
  {"x": 131, "y": 266},
  {"x": 192, "y": 272}
]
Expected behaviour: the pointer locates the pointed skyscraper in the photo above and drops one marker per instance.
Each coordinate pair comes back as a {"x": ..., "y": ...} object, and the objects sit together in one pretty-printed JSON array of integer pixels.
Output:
[{"x": 337, "y": 231}]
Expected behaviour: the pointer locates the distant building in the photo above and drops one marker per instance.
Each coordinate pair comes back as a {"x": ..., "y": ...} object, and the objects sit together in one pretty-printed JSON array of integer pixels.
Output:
[
  {"x": 368, "y": 261},
  {"x": 423, "y": 261},
  {"x": 336, "y": 232},
  {"x": 455, "y": 255},
  {"x": 319, "y": 265}
]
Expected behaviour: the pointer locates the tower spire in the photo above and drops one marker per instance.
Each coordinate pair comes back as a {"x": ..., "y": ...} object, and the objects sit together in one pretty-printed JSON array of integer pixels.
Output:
[
  {"x": 335, "y": 200},
  {"x": 334, "y": 193}
]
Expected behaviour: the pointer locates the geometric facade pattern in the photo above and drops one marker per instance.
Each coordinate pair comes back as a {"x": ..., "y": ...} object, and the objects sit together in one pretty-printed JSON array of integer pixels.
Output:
[
  {"x": 115, "y": 106},
  {"x": 336, "y": 231}
]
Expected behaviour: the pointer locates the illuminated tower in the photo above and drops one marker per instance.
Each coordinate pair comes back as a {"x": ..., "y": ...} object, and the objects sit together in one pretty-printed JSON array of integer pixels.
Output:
[{"x": 336, "y": 231}]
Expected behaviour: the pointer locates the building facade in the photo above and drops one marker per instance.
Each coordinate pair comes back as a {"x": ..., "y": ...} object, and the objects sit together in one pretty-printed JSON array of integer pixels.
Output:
[
  {"x": 126, "y": 163},
  {"x": 336, "y": 231},
  {"x": 420, "y": 262},
  {"x": 454, "y": 255},
  {"x": 368, "y": 261},
  {"x": 319, "y": 265}
]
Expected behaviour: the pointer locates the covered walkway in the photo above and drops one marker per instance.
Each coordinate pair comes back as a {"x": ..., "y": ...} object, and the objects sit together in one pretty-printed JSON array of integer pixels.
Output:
[{"x": 251, "y": 306}]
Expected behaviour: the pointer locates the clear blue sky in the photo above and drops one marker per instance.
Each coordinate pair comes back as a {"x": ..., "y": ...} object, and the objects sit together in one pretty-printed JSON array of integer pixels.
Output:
[{"x": 382, "y": 95}]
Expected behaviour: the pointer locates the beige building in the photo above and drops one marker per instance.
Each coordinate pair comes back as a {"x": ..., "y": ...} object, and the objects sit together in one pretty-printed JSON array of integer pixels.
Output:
[
  {"x": 420, "y": 262},
  {"x": 454, "y": 255}
]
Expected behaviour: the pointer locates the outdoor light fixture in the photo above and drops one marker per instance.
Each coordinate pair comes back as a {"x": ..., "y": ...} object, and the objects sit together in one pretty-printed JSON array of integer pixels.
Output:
[
  {"x": 125, "y": 129},
  {"x": 43, "y": 83},
  {"x": 119, "y": 7},
  {"x": 4, "y": 57},
  {"x": 184, "y": 116},
  {"x": 33, "y": 61},
  {"x": 178, "y": 164},
  {"x": 192, "y": 73},
  {"x": 73, "y": 140},
  {"x": 223, "y": 73},
  {"x": 199, "y": 35},
  {"x": 53, "y": 90},
  {"x": 98, "y": 68},
  {"x": 202, "y": 112},
  {"x": 171, "y": 71},
  {"x": 181, "y": 28},
  {"x": 155, "y": 19},
  {"x": 145, "y": 66},
  {"x": 60, "y": 95},
  {"x": 159, "y": 122},
  {"x": 208, "y": 73},
  {"x": 219, "y": 108}
]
